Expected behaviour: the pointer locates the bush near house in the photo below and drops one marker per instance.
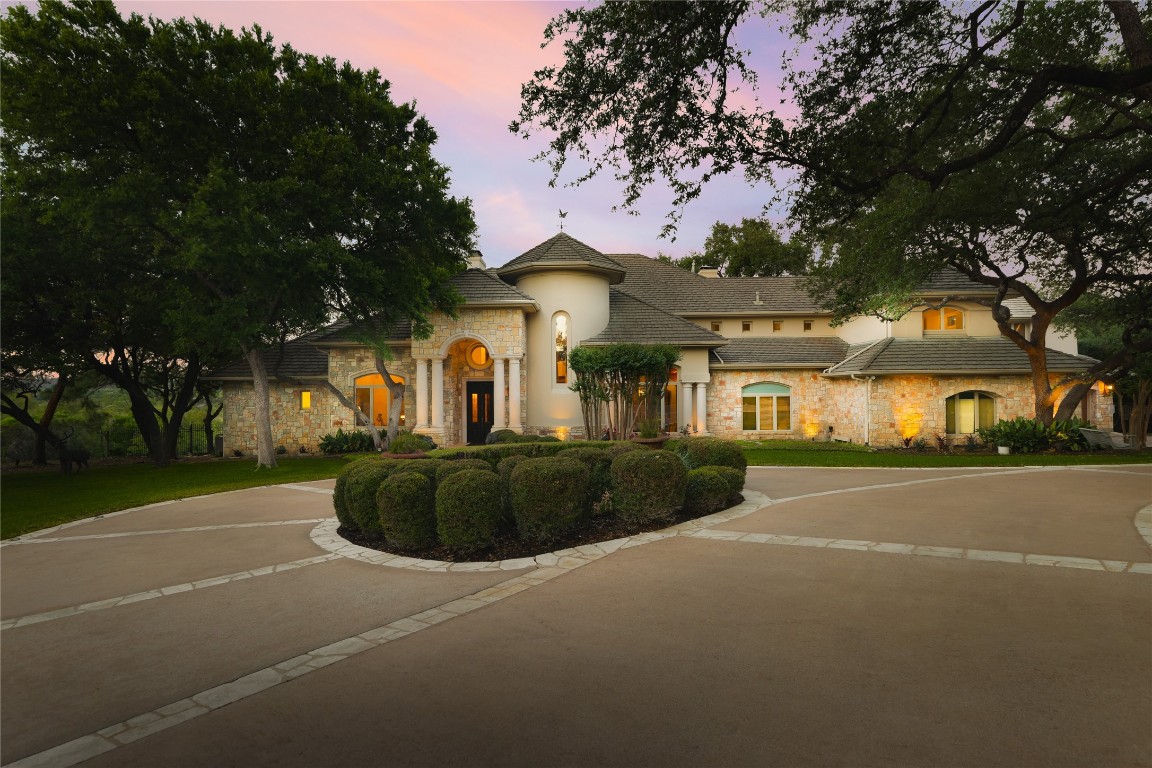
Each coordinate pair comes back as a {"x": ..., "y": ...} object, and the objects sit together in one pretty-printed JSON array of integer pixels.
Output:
[
  {"x": 648, "y": 485},
  {"x": 346, "y": 442},
  {"x": 447, "y": 468},
  {"x": 469, "y": 509},
  {"x": 1024, "y": 435},
  {"x": 360, "y": 494},
  {"x": 733, "y": 478},
  {"x": 698, "y": 452},
  {"x": 548, "y": 496},
  {"x": 599, "y": 464},
  {"x": 340, "y": 493},
  {"x": 405, "y": 505},
  {"x": 706, "y": 490}
]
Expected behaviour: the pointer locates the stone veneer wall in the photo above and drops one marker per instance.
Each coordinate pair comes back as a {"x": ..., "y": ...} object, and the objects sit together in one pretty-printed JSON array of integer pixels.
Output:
[{"x": 899, "y": 406}]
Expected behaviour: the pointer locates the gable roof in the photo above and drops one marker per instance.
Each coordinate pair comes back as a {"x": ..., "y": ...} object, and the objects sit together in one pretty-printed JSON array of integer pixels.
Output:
[
  {"x": 296, "y": 359},
  {"x": 787, "y": 352},
  {"x": 962, "y": 354},
  {"x": 635, "y": 321},
  {"x": 484, "y": 287},
  {"x": 562, "y": 251},
  {"x": 952, "y": 282}
]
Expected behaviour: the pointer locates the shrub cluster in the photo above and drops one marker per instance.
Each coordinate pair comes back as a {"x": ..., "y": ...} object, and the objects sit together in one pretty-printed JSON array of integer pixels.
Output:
[
  {"x": 464, "y": 499},
  {"x": 1024, "y": 435},
  {"x": 698, "y": 452},
  {"x": 346, "y": 442},
  {"x": 501, "y": 436}
]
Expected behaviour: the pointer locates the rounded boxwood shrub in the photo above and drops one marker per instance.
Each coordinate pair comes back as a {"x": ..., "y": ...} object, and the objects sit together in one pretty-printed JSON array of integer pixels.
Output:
[
  {"x": 710, "y": 452},
  {"x": 469, "y": 507},
  {"x": 340, "y": 496},
  {"x": 647, "y": 485},
  {"x": 617, "y": 448},
  {"x": 459, "y": 465},
  {"x": 360, "y": 494},
  {"x": 405, "y": 504},
  {"x": 501, "y": 436},
  {"x": 406, "y": 442},
  {"x": 734, "y": 479},
  {"x": 706, "y": 491},
  {"x": 599, "y": 466},
  {"x": 548, "y": 496}
]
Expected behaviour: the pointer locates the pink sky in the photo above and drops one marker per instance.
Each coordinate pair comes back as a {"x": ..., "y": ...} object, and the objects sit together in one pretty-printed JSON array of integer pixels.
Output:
[{"x": 463, "y": 64}]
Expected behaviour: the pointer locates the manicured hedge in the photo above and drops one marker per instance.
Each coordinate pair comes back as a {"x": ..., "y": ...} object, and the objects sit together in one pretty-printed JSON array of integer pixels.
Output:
[
  {"x": 548, "y": 496},
  {"x": 648, "y": 485},
  {"x": 734, "y": 479},
  {"x": 706, "y": 491},
  {"x": 699, "y": 452},
  {"x": 469, "y": 507},
  {"x": 340, "y": 496},
  {"x": 407, "y": 513},
  {"x": 447, "y": 468},
  {"x": 599, "y": 464},
  {"x": 360, "y": 494}
]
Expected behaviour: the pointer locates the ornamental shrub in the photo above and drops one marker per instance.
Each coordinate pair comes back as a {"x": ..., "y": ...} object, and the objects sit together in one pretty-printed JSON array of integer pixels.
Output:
[
  {"x": 346, "y": 442},
  {"x": 469, "y": 507},
  {"x": 1022, "y": 435},
  {"x": 360, "y": 494},
  {"x": 504, "y": 469},
  {"x": 500, "y": 436},
  {"x": 599, "y": 466},
  {"x": 459, "y": 465},
  {"x": 705, "y": 491},
  {"x": 615, "y": 448},
  {"x": 494, "y": 453},
  {"x": 698, "y": 452},
  {"x": 647, "y": 485},
  {"x": 406, "y": 442},
  {"x": 405, "y": 504},
  {"x": 549, "y": 497},
  {"x": 340, "y": 496},
  {"x": 733, "y": 479}
]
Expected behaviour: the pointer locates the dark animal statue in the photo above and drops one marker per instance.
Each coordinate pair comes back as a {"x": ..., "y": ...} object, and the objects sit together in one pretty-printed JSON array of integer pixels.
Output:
[{"x": 70, "y": 456}]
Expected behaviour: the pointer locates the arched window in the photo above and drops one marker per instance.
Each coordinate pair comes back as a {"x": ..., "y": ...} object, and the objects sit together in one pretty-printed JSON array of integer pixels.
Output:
[
  {"x": 966, "y": 412},
  {"x": 767, "y": 407},
  {"x": 560, "y": 323},
  {"x": 944, "y": 319},
  {"x": 372, "y": 397}
]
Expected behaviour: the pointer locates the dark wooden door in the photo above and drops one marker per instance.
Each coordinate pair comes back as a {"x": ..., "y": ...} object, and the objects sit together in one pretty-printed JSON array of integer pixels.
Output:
[{"x": 478, "y": 410}]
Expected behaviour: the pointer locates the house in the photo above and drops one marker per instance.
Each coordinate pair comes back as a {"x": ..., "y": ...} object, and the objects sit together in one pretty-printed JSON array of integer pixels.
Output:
[{"x": 760, "y": 359}]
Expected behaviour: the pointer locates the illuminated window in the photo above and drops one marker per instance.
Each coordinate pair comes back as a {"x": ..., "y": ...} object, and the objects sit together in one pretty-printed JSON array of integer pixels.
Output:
[
  {"x": 1020, "y": 328},
  {"x": 372, "y": 397},
  {"x": 478, "y": 356},
  {"x": 807, "y": 325},
  {"x": 560, "y": 334},
  {"x": 305, "y": 400},
  {"x": 745, "y": 325},
  {"x": 966, "y": 412},
  {"x": 767, "y": 407},
  {"x": 946, "y": 319},
  {"x": 777, "y": 326}
]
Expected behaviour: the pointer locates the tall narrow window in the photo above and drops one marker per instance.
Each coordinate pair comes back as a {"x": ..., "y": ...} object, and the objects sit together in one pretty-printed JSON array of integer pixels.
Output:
[
  {"x": 372, "y": 398},
  {"x": 966, "y": 412},
  {"x": 305, "y": 400},
  {"x": 767, "y": 407},
  {"x": 560, "y": 334}
]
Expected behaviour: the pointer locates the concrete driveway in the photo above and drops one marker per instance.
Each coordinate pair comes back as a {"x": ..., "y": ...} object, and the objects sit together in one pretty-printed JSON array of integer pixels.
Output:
[{"x": 847, "y": 617}]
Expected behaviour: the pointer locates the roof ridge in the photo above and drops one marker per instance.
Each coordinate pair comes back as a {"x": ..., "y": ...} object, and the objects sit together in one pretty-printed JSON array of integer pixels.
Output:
[{"x": 852, "y": 357}]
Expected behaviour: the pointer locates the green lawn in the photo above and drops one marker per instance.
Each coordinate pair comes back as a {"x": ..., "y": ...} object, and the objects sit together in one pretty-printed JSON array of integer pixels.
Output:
[
  {"x": 41, "y": 499},
  {"x": 806, "y": 454}
]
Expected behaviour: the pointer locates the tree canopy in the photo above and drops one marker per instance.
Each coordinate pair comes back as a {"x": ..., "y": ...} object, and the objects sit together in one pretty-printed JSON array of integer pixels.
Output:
[
  {"x": 752, "y": 248},
  {"x": 1008, "y": 140},
  {"x": 251, "y": 190}
]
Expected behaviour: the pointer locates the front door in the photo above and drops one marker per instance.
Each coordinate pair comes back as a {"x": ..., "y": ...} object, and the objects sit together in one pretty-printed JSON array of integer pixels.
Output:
[{"x": 478, "y": 410}]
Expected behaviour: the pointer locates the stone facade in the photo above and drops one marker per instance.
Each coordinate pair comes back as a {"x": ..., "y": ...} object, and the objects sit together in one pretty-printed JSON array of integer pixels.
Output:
[{"x": 816, "y": 404}]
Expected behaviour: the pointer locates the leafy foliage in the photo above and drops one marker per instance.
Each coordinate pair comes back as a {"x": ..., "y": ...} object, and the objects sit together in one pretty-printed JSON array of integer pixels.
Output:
[
  {"x": 469, "y": 509},
  {"x": 548, "y": 497},
  {"x": 648, "y": 485},
  {"x": 346, "y": 442},
  {"x": 405, "y": 504},
  {"x": 1024, "y": 435},
  {"x": 632, "y": 378}
]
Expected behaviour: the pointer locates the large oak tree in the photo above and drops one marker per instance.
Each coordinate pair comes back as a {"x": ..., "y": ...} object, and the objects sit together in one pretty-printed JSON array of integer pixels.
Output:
[{"x": 267, "y": 189}]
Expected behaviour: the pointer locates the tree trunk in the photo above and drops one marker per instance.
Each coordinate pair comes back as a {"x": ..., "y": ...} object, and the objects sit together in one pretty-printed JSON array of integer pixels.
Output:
[
  {"x": 1142, "y": 401},
  {"x": 1072, "y": 400},
  {"x": 377, "y": 440},
  {"x": 39, "y": 454},
  {"x": 10, "y": 408},
  {"x": 265, "y": 451},
  {"x": 395, "y": 398}
]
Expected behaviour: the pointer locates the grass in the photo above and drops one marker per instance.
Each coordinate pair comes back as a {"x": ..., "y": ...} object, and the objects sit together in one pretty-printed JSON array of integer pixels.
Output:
[
  {"x": 795, "y": 453},
  {"x": 41, "y": 499}
]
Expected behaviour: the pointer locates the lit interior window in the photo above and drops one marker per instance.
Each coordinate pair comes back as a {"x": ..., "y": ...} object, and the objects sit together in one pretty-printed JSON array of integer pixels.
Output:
[
  {"x": 560, "y": 329},
  {"x": 305, "y": 400},
  {"x": 372, "y": 397},
  {"x": 478, "y": 356},
  {"x": 946, "y": 319}
]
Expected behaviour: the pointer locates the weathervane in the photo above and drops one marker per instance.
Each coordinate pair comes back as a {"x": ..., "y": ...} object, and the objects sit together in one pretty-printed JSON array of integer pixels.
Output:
[{"x": 562, "y": 215}]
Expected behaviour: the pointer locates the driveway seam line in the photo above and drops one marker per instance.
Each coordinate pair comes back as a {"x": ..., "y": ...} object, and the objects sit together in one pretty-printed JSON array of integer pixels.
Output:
[
  {"x": 125, "y": 732},
  {"x": 195, "y": 529},
  {"x": 151, "y": 594}
]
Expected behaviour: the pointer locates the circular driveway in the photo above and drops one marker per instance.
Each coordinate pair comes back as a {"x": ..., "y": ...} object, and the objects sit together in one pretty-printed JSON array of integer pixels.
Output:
[{"x": 839, "y": 617}]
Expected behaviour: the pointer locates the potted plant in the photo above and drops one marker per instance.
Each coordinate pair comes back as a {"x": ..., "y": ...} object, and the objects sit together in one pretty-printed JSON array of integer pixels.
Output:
[
  {"x": 649, "y": 434},
  {"x": 407, "y": 446}
]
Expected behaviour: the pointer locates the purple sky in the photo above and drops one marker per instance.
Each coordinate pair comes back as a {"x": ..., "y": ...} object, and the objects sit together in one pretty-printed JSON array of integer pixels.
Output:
[{"x": 463, "y": 64}]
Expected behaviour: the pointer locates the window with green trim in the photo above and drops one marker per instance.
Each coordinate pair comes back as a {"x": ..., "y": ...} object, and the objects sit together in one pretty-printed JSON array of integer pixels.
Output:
[{"x": 767, "y": 407}]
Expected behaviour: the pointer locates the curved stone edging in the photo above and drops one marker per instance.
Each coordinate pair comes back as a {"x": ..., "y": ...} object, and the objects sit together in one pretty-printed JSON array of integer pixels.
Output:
[
  {"x": 1144, "y": 523},
  {"x": 324, "y": 536}
]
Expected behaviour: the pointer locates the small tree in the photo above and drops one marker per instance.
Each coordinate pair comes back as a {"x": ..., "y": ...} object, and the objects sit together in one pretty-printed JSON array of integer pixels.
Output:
[{"x": 630, "y": 379}]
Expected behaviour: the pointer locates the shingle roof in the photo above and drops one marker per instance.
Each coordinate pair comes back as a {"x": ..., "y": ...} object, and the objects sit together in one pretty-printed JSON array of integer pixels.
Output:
[
  {"x": 483, "y": 286},
  {"x": 682, "y": 292},
  {"x": 634, "y": 321},
  {"x": 951, "y": 281},
  {"x": 961, "y": 354},
  {"x": 341, "y": 333},
  {"x": 1019, "y": 308},
  {"x": 792, "y": 351},
  {"x": 301, "y": 360},
  {"x": 562, "y": 250}
]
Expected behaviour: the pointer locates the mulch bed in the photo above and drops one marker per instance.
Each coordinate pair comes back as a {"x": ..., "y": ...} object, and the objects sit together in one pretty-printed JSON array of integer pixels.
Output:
[{"x": 508, "y": 547}]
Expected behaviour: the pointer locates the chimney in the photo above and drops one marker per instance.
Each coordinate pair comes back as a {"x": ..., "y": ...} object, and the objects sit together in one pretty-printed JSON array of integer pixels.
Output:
[
  {"x": 708, "y": 272},
  {"x": 476, "y": 260}
]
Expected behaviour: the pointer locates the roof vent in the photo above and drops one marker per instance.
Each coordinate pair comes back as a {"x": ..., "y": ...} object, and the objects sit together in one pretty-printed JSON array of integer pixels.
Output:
[
  {"x": 708, "y": 272},
  {"x": 476, "y": 260},
  {"x": 757, "y": 302}
]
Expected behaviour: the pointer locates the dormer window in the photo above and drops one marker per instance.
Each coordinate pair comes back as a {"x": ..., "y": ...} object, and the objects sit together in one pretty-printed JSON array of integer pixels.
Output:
[{"x": 944, "y": 319}]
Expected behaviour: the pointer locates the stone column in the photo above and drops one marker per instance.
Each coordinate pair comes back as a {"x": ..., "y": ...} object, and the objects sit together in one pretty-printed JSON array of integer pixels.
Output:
[
  {"x": 438, "y": 393},
  {"x": 684, "y": 405},
  {"x": 514, "y": 394},
  {"x": 702, "y": 407},
  {"x": 498, "y": 393},
  {"x": 421, "y": 393}
]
